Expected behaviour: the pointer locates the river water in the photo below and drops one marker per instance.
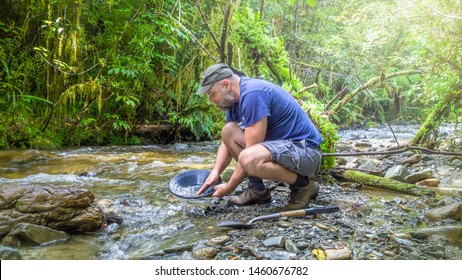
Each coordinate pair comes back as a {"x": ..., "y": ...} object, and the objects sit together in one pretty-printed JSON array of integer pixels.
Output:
[{"x": 132, "y": 182}]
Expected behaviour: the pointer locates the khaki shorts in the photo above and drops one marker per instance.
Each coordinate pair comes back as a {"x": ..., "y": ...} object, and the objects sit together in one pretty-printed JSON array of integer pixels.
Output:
[{"x": 295, "y": 156}]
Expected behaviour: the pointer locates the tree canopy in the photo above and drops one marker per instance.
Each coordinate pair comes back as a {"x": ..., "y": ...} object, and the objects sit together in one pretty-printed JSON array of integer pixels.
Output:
[{"x": 86, "y": 72}]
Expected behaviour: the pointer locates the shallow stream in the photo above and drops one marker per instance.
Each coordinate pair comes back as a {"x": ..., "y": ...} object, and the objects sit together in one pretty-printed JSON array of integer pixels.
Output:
[{"x": 132, "y": 182}]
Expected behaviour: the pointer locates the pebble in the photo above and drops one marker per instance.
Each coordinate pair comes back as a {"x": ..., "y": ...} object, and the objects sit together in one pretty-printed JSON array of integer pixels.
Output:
[
  {"x": 338, "y": 254},
  {"x": 274, "y": 242},
  {"x": 219, "y": 240},
  {"x": 291, "y": 246},
  {"x": 284, "y": 224},
  {"x": 206, "y": 253}
]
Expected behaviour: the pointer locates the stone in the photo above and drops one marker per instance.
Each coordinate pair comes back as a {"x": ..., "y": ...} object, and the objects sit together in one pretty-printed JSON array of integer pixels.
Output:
[
  {"x": 398, "y": 173},
  {"x": 207, "y": 253},
  {"x": 274, "y": 242},
  {"x": 284, "y": 224},
  {"x": 362, "y": 144},
  {"x": 219, "y": 240},
  {"x": 291, "y": 246},
  {"x": 29, "y": 234},
  {"x": 456, "y": 163},
  {"x": 451, "y": 211},
  {"x": 338, "y": 254},
  {"x": 431, "y": 183},
  {"x": 413, "y": 159},
  {"x": 278, "y": 255},
  {"x": 69, "y": 209},
  {"x": 419, "y": 176}
]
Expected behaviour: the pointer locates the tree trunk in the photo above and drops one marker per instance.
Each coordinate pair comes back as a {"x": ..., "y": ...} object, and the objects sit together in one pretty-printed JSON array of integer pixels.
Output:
[
  {"x": 385, "y": 183},
  {"x": 427, "y": 134}
]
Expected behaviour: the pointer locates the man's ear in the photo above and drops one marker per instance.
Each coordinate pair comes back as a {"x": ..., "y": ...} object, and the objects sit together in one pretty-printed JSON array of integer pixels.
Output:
[{"x": 227, "y": 84}]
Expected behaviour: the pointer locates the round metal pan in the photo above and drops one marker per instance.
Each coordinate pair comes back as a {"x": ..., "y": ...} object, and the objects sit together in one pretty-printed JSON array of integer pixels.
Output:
[{"x": 186, "y": 184}]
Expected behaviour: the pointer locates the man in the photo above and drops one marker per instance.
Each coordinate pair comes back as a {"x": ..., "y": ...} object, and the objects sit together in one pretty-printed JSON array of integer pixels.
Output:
[{"x": 267, "y": 133}]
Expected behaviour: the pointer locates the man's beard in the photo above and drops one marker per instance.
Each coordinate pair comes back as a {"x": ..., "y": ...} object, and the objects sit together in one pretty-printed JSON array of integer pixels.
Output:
[{"x": 228, "y": 101}]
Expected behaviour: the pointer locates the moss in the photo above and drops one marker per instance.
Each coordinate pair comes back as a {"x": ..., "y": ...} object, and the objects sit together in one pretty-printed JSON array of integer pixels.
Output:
[{"x": 385, "y": 183}]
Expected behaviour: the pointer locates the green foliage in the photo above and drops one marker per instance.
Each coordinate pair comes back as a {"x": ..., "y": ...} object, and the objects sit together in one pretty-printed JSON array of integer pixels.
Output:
[
  {"x": 3, "y": 138},
  {"x": 89, "y": 72}
]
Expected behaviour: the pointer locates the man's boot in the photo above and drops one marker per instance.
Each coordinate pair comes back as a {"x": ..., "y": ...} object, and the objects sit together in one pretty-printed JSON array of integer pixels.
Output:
[
  {"x": 299, "y": 197},
  {"x": 251, "y": 196}
]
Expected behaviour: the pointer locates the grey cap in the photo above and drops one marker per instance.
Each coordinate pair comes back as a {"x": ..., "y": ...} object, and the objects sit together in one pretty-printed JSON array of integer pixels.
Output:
[{"x": 213, "y": 74}]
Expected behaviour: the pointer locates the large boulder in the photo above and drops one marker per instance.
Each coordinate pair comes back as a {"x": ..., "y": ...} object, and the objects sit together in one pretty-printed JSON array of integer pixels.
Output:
[{"x": 69, "y": 209}]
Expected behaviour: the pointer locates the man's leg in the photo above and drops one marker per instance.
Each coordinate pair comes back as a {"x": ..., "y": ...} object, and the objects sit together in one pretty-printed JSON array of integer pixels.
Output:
[
  {"x": 234, "y": 139},
  {"x": 288, "y": 162}
]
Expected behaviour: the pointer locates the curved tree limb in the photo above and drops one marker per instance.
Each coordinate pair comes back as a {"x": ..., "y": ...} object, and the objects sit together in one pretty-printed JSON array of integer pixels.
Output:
[{"x": 373, "y": 81}]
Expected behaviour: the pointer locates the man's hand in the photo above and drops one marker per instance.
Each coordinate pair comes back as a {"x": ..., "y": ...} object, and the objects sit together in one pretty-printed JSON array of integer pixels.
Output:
[
  {"x": 212, "y": 178},
  {"x": 222, "y": 190}
]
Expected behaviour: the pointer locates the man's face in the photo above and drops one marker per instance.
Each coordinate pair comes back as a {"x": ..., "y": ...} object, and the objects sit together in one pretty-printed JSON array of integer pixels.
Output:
[{"x": 222, "y": 97}]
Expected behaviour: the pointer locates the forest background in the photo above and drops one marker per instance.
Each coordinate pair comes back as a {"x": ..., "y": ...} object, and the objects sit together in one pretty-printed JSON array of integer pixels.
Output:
[{"x": 86, "y": 72}]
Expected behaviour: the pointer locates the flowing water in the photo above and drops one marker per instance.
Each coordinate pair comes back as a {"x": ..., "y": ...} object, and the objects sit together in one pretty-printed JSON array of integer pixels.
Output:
[{"x": 132, "y": 182}]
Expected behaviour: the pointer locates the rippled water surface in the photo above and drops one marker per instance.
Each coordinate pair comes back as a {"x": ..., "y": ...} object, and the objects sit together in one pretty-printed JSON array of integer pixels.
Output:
[{"x": 130, "y": 181}]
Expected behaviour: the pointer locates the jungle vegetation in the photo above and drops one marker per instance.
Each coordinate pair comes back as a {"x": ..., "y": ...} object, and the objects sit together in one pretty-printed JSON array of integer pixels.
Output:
[{"x": 85, "y": 72}]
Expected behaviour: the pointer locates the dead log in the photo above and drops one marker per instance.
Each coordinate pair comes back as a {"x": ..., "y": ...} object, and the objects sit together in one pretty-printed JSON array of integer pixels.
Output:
[{"x": 386, "y": 183}]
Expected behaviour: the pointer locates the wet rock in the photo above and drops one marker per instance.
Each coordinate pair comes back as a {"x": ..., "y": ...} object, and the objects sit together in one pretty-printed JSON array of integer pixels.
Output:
[
  {"x": 68, "y": 209},
  {"x": 402, "y": 241},
  {"x": 284, "y": 224},
  {"x": 219, "y": 240},
  {"x": 432, "y": 182},
  {"x": 113, "y": 218},
  {"x": 456, "y": 163},
  {"x": 259, "y": 233},
  {"x": 419, "y": 176},
  {"x": 178, "y": 249},
  {"x": 362, "y": 144},
  {"x": 8, "y": 253},
  {"x": 338, "y": 254},
  {"x": 452, "y": 211},
  {"x": 29, "y": 234},
  {"x": 274, "y": 242},
  {"x": 207, "y": 253},
  {"x": 291, "y": 246},
  {"x": 398, "y": 173},
  {"x": 418, "y": 235},
  {"x": 413, "y": 159},
  {"x": 302, "y": 245}
]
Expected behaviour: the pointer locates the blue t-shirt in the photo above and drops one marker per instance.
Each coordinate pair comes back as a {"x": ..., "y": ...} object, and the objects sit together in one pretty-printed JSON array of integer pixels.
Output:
[{"x": 286, "y": 118}]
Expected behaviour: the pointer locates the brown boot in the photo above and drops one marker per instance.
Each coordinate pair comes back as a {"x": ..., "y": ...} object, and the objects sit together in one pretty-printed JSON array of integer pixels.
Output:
[
  {"x": 251, "y": 196},
  {"x": 300, "y": 196}
]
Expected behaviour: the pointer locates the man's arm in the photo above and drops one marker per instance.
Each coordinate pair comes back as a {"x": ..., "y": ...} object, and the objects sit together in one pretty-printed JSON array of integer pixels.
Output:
[{"x": 254, "y": 134}]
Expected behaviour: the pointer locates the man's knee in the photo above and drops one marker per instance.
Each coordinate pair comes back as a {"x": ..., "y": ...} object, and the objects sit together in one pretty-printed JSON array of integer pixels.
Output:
[{"x": 232, "y": 132}]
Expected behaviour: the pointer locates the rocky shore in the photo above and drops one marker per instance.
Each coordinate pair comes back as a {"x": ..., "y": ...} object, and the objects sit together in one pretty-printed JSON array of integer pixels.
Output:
[{"x": 373, "y": 224}]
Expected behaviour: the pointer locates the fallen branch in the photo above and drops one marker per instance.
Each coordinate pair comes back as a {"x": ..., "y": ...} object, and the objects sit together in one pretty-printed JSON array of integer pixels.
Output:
[
  {"x": 425, "y": 150},
  {"x": 368, "y": 171}
]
